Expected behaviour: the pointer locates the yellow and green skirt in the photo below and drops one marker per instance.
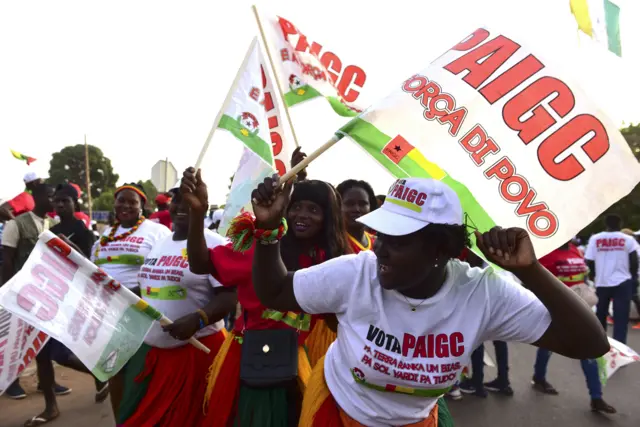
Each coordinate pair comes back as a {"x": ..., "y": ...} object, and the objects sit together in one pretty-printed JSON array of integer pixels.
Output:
[{"x": 228, "y": 403}]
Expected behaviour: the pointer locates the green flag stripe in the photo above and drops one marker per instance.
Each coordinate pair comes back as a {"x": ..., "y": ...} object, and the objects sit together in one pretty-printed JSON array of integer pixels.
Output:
[
  {"x": 292, "y": 98},
  {"x": 303, "y": 93},
  {"x": 340, "y": 108},
  {"x": 373, "y": 141},
  {"x": 128, "y": 336},
  {"x": 124, "y": 259},
  {"x": 252, "y": 141},
  {"x": 612, "y": 21}
]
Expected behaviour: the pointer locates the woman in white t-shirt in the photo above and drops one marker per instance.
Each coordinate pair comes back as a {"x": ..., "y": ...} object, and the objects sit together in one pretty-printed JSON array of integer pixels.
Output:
[
  {"x": 165, "y": 381},
  {"x": 402, "y": 338},
  {"x": 121, "y": 250}
]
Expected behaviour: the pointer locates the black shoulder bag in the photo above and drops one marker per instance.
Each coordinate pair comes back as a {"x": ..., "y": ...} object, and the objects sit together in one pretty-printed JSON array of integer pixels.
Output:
[{"x": 269, "y": 357}]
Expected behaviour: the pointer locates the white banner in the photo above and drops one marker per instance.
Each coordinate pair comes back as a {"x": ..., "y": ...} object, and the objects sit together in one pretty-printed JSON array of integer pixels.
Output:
[
  {"x": 510, "y": 132},
  {"x": 618, "y": 356},
  {"x": 62, "y": 293},
  {"x": 19, "y": 345}
]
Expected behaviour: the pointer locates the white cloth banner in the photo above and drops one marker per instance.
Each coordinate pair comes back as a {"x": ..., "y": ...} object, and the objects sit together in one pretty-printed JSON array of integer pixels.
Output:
[
  {"x": 619, "y": 355},
  {"x": 19, "y": 345},
  {"x": 62, "y": 293},
  {"x": 510, "y": 132}
]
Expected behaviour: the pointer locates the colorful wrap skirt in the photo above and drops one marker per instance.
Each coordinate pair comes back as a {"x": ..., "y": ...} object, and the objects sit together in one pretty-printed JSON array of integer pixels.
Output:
[
  {"x": 228, "y": 403},
  {"x": 164, "y": 387},
  {"x": 319, "y": 409}
]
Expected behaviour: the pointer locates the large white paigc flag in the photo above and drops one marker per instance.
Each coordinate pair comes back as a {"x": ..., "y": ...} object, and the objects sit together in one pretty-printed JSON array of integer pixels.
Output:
[
  {"x": 63, "y": 294},
  {"x": 515, "y": 137}
]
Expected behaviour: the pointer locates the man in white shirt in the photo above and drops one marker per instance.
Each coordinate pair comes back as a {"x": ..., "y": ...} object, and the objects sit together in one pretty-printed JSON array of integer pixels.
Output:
[{"x": 613, "y": 262}]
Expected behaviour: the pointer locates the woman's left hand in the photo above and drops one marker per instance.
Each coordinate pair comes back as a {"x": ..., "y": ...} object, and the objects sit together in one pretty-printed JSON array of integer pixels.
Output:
[
  {"x": 509, "y": 248},
  {"x": 184, "y": 328}
]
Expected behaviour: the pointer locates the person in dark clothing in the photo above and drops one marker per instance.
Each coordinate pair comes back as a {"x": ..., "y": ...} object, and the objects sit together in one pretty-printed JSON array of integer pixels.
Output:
[
  {"x": 65, "y": 204},
  {"x": 74, "y": 231}
]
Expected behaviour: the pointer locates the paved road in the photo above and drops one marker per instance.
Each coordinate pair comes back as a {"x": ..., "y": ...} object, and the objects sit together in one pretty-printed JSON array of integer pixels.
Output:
[{"x": 526, "y": 409}]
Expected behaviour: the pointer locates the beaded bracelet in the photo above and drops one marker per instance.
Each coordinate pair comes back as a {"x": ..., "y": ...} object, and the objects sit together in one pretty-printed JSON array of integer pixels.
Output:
[
  {"x": 269, "y": 237},
  {"x": 242, "y": 232}
]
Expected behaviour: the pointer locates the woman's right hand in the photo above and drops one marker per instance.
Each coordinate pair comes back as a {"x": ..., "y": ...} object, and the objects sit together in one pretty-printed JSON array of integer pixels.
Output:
[
  {"x": 270, "y": 202},
  {"x": 194, "y": 190}
]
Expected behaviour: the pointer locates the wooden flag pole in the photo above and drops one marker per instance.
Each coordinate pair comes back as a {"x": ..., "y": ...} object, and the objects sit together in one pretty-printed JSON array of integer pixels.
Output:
[
  {"x": 226, "y": 102},
  {"x": 87, "y": 177},
  {"x": 311, "y": 157},
  {"x": 273, "y": 69},
  {"x": 164, "y": 321}
]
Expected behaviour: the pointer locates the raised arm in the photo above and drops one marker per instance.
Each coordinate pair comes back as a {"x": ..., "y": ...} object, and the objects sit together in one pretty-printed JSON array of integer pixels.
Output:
[
  {"x": 194, "y": 193},
  {"x": 271, "y": 280},
  {"x": 574, "y": 330}
]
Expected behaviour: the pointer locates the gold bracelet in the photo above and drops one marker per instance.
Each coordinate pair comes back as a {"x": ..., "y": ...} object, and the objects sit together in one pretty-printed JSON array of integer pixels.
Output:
[{"x": 204, "y": 316}]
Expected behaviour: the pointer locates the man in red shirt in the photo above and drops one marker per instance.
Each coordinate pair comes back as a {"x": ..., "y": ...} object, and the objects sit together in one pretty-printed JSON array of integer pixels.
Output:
[
  {"x": 568, "y": 265},
  {"x": 23, "y": 202},
  {"x": 162, "y": 216}
]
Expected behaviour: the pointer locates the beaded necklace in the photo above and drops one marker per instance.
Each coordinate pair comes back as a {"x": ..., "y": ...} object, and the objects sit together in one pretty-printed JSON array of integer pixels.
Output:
[{"x": 105, "y": 240}]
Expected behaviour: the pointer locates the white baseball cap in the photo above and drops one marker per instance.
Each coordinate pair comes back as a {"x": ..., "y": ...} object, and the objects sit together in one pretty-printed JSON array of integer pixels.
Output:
[
  {"x": 412, "y": 204},
  {"x": 217, "y": 215},
  {"x": 30, "y": 177}
]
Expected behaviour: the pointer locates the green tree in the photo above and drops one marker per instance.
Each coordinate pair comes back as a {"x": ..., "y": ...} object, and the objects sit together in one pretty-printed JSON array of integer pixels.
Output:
[
  {"x": 68, "y": 165},
  {"x": 151, "y": 191},
  {"x": 628, "y": 208},
  {"x": 104, "y": 202}
]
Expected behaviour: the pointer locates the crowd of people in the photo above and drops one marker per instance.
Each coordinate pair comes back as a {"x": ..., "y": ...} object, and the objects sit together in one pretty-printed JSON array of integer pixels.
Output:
[{"x": 329, "y": 306}]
